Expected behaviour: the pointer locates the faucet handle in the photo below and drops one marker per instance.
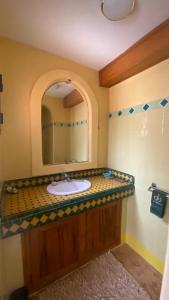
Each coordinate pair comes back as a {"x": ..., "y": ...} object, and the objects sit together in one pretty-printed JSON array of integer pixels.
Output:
[{"x": 66, "y": 177}]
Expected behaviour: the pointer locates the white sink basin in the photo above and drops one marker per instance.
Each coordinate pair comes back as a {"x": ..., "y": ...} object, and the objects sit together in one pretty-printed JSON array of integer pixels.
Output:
[{"x": 73, "y": 186}]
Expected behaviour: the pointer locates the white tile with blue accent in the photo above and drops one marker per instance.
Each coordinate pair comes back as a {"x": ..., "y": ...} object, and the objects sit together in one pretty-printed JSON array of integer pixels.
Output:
[{"x": 157, "y": 104}]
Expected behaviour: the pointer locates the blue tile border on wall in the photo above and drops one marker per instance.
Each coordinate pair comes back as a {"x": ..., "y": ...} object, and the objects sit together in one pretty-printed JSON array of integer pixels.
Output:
[
  {"x": 63, "y": 124},
  {"x": 141, "y": 108}
]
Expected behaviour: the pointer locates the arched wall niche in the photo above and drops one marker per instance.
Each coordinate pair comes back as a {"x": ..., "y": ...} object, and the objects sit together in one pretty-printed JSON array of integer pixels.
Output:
[{"x": 37, "y": 93}]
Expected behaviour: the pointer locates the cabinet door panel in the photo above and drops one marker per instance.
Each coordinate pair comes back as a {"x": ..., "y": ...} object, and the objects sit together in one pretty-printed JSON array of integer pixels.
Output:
[
  {"x": 58, "y": 247},
  {"x": 103, "y": 228},
  {"x": 53, "y": 250},
  {"x": 93, "y": 232},
  {"x": 111, "y": 225}
]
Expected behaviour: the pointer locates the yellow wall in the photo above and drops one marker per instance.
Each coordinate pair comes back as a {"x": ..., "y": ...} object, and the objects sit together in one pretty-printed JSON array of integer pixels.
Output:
[
  {"x": 149, "y": 85},
  {"x": 58, "y": 112},
  {"x": 1, "y": 172},
  {"x": 1, "y": 71},
  {"x": 79, "y": 112},
  {"x": 22, "y": 66},
  {"x": 64, "y": 144},
  {"x": 11, "y": 270},
  {"x": 139, "y": 145},
  {"x": 79, "y": 135},
  {"x": 55, "y": 140}
]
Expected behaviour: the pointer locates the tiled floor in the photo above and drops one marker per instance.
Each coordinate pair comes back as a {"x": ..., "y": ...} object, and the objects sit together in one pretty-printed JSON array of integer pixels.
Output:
[{"x": 143, "y": 272}]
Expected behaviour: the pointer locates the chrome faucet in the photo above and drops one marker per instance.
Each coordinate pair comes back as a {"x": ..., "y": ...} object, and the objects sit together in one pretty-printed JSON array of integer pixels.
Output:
[{"x": 66, "y": 177}]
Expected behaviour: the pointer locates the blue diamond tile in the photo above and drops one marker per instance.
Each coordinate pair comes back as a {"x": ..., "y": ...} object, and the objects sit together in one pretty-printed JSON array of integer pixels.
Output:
[
  {"x": 146, "y": 106},
  {"x": 131, "y": 110},
  {"x": 119, "y": 113},
  {"x": 164, "y": 102}
]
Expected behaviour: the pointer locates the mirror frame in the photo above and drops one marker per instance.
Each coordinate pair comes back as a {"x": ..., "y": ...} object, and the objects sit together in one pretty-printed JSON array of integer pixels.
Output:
[{"x": 36, "y": 96}]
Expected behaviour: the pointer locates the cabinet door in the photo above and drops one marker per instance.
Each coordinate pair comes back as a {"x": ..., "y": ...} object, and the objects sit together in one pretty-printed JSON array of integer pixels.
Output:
[
  {"x": 93, "y": 232},
  {"x": 111, "y": 225},
  {"x": 103, "y": 226},
  {"x": 51, "y": 251}
]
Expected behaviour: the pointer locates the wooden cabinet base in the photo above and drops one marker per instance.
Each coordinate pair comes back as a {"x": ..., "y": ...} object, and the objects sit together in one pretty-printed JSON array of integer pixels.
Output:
[{"x": 53, "y": 250}]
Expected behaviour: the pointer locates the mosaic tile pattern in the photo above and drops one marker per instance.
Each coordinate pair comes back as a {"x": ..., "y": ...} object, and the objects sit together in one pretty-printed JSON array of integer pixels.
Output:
[
  {"x": 123, "y": 176},
  {"x": 37, "y": 197},
  {"x": 63, "y": 124},
  {"x": 157, "y": 104},
  {"x": 41, "y": 180},
  {"x": 31, "y": 221},
  {"x": 33, "y": 206}
]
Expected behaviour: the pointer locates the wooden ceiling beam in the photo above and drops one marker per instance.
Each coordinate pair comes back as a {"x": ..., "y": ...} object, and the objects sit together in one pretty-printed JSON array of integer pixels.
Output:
[
  {"x": 148, "y": 51},
  {"x": 72, "y": 99}
]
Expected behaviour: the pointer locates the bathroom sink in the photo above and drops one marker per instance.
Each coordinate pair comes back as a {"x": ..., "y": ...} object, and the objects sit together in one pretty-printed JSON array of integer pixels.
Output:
[{"x": 64, "y": 187}]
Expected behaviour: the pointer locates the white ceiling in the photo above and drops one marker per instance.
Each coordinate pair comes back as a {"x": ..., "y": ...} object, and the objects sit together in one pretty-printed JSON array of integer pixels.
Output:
[
  {"x": 76, "y": 29},
  {"x": 59, "y": 90}
]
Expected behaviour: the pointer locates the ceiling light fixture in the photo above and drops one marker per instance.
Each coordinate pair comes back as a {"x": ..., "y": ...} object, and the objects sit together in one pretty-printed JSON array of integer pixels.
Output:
[
  {"x": 61, "y": 83},
  {"x": 117, "y": 10}
]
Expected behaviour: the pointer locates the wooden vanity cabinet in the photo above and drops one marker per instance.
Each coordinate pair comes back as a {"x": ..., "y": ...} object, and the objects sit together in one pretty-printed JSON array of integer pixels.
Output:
[{"x": 53, "y": 250}]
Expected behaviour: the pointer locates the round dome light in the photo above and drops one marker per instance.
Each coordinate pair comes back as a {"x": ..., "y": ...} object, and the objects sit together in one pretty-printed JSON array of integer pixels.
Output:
[{"x": 116, "y": 10}]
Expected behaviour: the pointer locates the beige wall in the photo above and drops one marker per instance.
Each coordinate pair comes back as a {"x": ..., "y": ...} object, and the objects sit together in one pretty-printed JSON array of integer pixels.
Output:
[
  {"x": 22, "y": 66},
  {"x": 165, "y": 286},
  {"x": 11, "y": 270},
  {"x": 139, "y": 145},
  {"x": 79, "y": 112},
  {"x": 1, "y": 172},
  {"x": 55, "y": 140},
  {"x": 79, "y": 135},
  {"x": 1, "y": 126},
  {"x": 47, "y": 135},
  {"x": 146, "y": 86},
  {"x": 1, "y": 177},
  {"x": 64, "y": 144},
  {"x": 58, "y": 112}
]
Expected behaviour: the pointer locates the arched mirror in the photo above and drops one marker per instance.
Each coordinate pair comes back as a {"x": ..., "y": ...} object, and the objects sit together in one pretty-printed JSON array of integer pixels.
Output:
[{"x": 64, "y": 124}]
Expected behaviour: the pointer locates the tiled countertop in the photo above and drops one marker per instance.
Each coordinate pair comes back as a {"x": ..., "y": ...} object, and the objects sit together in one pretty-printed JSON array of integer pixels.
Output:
[{"x": 33, "y": 206}]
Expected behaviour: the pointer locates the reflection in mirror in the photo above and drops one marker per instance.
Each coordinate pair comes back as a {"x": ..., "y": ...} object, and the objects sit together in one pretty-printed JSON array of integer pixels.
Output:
[{"x": 64, "y": 125}]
